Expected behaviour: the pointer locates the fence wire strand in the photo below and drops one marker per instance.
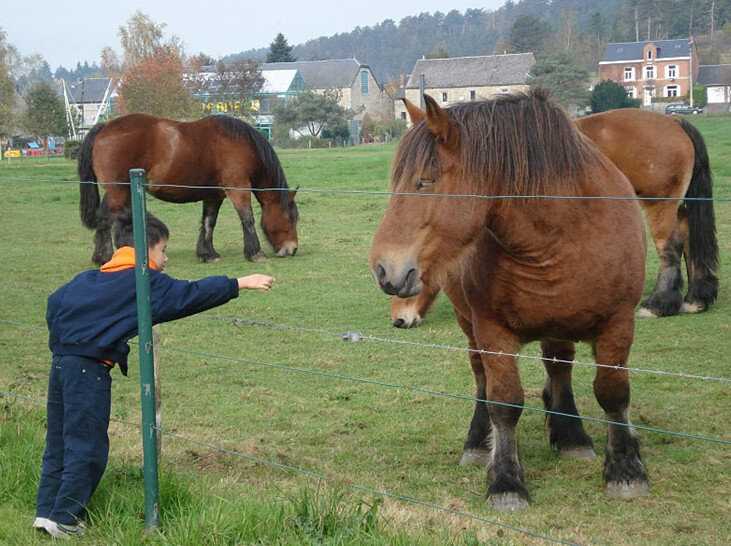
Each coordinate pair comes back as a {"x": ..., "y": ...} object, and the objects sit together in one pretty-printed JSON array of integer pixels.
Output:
[
  {"x": 385, "y": 193},
  {"x": 446, "y": 395},
  {"x": 354, "y": 334},
  {"x": 439, "y": 394}
]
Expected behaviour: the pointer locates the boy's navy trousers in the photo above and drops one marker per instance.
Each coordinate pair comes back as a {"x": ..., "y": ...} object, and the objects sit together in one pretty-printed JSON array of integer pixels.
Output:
[{"x": 77, "y": 444}]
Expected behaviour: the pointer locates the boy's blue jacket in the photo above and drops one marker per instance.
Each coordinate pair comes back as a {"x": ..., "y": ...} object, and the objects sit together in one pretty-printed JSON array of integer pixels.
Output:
[{"x": 95, "y": 314}]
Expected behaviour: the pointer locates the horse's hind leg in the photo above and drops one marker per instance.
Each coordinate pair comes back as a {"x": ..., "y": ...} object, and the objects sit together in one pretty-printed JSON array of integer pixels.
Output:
[
  {"x": 242, "y": 203},
  {"x": 103, "y": 247},
  {"x": 566, "y": 434},
  {"x": 624, "y": 473},
  {"x": 204, "y": 248},
  {"x": 477, "y": 445},
  {"x": 667, "y": 296}
]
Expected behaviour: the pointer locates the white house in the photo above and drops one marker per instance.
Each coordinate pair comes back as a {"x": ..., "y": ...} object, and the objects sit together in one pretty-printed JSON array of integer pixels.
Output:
[{"x": 717, "y": 81}]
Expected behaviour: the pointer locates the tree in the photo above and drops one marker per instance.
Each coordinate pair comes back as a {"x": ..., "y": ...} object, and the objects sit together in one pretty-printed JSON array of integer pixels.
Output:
[
  {"x": 609, "y": 95},
  {"x": 280, "y": 51},
  {"x": 529, "y": 34},
  {"x": 309, "y": 113},
  {"x": 155, "y": 86},
  {"x": 152, "y": 70},
  {"x": 46, "y": 115},
  {"x": 560, "y": 74},
  {"x": 7, "y": 88},
  {"x": 141, "y": 38}
]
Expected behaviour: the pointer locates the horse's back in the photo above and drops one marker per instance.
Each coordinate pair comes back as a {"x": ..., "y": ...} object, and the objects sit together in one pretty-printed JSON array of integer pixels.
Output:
[{"x": 651, "y": 149}]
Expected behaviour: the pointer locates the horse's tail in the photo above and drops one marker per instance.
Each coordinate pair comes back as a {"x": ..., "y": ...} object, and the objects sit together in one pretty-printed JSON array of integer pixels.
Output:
[
  {"x": 89, "y": 198},
  {"x": 703, "y": 254}
]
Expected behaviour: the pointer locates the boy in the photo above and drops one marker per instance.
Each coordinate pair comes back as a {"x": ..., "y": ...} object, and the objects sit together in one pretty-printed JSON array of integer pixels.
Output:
[{"x": 90, "y": 320}]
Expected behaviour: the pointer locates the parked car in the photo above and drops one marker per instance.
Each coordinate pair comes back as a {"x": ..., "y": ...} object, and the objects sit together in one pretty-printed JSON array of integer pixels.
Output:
[{"x": 675, "y": 108}]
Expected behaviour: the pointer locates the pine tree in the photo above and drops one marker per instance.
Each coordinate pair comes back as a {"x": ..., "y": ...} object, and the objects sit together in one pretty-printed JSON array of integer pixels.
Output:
[{"x": 280, "y": 51}]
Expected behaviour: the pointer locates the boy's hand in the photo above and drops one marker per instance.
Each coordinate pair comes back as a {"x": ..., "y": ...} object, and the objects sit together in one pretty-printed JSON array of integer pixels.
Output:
[{"x": 256, "y": 282}]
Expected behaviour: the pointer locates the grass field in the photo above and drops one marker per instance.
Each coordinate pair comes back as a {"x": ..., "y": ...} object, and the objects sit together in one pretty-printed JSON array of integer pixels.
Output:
[{"x": 391, "y": 439}]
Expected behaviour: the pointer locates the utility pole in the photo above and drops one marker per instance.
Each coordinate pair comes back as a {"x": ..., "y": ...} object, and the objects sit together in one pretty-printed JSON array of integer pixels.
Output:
[{"x": 637, "y": 25}]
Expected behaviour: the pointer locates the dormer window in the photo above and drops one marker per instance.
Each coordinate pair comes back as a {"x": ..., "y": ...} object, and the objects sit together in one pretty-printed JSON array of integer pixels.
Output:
[{"x": 649, "y": 54}]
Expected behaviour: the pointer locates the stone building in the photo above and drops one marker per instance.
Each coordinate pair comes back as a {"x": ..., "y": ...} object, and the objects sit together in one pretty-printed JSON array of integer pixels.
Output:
[{"x": 461, "y": 79}]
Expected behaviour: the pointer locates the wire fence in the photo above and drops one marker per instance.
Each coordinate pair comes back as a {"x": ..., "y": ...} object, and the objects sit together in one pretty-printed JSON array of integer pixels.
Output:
[
  {"x": 312, "y": 474},
  {"x": 353, "y": 335},
  {"x": 440, "y": 394}
]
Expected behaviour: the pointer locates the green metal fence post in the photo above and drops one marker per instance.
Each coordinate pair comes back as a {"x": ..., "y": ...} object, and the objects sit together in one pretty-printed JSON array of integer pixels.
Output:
[{"x": 147, "y": 371}]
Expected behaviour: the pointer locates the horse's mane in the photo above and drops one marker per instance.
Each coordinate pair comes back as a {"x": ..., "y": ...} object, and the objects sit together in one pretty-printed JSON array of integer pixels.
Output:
[
  {"x": 520, "y": 144},
  {"x": 271, "y": 169}
]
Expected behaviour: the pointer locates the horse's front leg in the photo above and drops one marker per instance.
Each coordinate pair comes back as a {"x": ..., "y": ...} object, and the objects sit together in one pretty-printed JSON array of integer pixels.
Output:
[
  {"x": 566, "y": 434},
  {"x": 242, "y": 203},
  {"x": 476, "y": 449},
  {"x": 204, "y": 248},
  {"x": 506, "y": 490},
  {"x": 624, "y": 473}
]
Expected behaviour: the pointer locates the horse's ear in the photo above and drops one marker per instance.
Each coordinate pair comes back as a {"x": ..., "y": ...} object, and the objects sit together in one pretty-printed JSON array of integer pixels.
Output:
[
  {"x": 439, "y": 124},
  {"x": 416, "y": 114}
]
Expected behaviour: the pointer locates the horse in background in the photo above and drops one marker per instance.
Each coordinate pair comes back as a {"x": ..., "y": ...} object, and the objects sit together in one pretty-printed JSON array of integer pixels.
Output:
[
  {"x": 214, "y": 151},
  {"x": 519, "y": 270},
  {"x": 661, "y": 157}
]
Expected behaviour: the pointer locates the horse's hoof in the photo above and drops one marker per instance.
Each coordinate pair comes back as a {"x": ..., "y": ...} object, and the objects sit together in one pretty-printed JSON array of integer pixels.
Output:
[
  {"x": 475, "y": 457},
  {"x": 692, "y": 308},
  {"x": 644, "y": 312},
  {"x": 582, "y": 453},
  {"x": 508, "y": 502},
  {"x": 628, "y": 490},
  {"x": 210, "y": 259},
  {"x": 257, "y": 258}
]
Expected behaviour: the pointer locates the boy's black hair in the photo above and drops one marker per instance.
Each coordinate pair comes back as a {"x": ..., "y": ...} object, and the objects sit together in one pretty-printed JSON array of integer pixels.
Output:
[{"x": 123, "y": 235}]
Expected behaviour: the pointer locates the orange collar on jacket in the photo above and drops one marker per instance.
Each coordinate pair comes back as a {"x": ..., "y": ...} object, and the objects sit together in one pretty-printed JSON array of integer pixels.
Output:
[{"x": 123, "y": 258}]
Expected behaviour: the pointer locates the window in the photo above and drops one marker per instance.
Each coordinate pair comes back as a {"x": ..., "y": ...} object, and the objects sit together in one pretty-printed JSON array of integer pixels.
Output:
[
  {"x": 630, "y": 90},
  {"x": 629, "y": 73},
  {"x": 671, "y": 91},
  {"x": 649, "y": 54},
  {"x": 265, "y": 106},
  {"x": 403, "y": 115},
  {"x": 364, "y": 82},
  {"x": 444, "y": 97},
  {"x": 671, "y": 71},
  {"x": 649, "y": 72},
  {"x": 473, "y": 94}
]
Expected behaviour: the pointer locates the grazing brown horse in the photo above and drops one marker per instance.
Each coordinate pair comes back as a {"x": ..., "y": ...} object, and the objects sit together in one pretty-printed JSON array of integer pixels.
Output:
[
  {"x": 214, "y": 151},
  {"x": 555, "y": 270},
  {"x": 661, "y": 157}
]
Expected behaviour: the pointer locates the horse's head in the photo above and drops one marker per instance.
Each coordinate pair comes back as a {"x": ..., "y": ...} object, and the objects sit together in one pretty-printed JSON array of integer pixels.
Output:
[
  {"x": 279, "y": 217},
  {"x": 422, "y": 234}
]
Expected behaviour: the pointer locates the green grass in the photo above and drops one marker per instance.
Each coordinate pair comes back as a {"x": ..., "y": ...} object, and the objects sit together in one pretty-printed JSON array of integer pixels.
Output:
[{"x": 390, "y": 439}]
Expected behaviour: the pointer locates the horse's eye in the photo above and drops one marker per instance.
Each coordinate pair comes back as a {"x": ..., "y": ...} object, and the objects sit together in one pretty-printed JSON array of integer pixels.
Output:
[{"x": 423, "y": 183}]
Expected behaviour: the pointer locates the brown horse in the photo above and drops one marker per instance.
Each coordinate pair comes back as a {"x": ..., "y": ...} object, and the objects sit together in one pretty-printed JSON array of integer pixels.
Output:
[
  {"x": 661, "y": 157},
  {"x": 554, "y": 270},
  {"x": 214, "y": 151}
]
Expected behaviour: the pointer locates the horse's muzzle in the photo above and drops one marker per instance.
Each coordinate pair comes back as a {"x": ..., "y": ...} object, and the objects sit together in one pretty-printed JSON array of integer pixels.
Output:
[
  {"x": 287, "y": 249},
  {"x": 403, "y": 282}
]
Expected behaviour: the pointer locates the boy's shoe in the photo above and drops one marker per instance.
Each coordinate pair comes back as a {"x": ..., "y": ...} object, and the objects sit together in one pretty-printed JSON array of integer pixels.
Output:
[
  {"x": 59, "y": 530},
  {"x": 40, "y": 523}
]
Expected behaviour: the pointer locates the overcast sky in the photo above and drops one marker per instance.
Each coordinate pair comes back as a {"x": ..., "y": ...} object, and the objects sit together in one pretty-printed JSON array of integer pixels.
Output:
[{"x": 67, "y": 32}]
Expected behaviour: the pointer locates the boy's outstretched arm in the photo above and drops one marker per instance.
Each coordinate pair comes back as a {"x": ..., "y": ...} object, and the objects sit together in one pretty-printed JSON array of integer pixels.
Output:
[{"x": 173, "y": 299}]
